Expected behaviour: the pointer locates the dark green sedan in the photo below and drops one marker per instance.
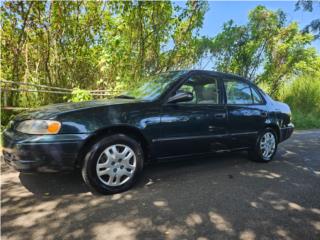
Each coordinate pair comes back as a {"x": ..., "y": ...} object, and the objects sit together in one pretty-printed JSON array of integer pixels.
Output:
[{"x": 173, "y": 115}]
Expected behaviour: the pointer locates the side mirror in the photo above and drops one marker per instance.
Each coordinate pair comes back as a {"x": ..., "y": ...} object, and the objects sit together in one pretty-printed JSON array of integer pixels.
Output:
[{"x": 181, "y": 97}]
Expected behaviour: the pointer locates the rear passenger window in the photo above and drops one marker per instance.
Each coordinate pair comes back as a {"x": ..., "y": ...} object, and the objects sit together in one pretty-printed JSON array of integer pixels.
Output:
[{"x": 237, "y": 92}]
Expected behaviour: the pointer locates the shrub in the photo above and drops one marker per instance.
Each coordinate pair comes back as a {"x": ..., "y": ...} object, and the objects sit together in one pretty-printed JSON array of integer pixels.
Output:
[
  {"x": 303, "y": 97},
  {"x": 306, "y": 121},
  {"x": 79, "y": 95}
]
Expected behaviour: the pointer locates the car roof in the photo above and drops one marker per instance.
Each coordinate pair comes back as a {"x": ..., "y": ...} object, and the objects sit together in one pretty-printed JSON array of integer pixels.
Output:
[
  {"x": 209, "y": 72},
  {"x": 216, "y": 73}
]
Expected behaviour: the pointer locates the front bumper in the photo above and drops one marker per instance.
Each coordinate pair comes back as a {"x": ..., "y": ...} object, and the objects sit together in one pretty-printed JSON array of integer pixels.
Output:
[
  {"x": 41, "y": 153},
  {"x": 286, "y": 132}
]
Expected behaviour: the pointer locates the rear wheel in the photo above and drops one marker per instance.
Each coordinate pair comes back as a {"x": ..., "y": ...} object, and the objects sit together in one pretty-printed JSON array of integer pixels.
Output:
[
  {"x": 265, "y": 147},
  {"x": 113, "y": 164}
]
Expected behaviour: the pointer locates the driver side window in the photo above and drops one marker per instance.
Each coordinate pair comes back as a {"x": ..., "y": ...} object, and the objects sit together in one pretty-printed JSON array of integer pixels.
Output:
[{"x": 204, "y": 89}]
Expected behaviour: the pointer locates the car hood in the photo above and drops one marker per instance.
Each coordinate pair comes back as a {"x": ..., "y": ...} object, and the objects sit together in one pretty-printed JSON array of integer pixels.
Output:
[{"x": 51, "y": 111}]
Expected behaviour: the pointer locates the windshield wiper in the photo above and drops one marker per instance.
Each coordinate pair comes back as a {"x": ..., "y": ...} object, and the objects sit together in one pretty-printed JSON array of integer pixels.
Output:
[{"x": 125, "y": 97}]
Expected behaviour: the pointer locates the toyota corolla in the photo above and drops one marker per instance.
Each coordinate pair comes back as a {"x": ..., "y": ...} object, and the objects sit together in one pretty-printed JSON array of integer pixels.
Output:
[{"x": 176, "y": 114}]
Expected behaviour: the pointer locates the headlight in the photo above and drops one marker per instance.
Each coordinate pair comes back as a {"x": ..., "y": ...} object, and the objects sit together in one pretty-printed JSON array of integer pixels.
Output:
[{"x": 39, "y": 127}]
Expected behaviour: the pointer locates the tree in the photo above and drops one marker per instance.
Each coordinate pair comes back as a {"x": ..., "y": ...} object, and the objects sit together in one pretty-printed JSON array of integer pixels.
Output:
[
  {"x": 314, "y": 25},
  {"x": 263, "y": 50},
  {"x": 283, "y": 55},
  {"x": 94, "y": 45}
]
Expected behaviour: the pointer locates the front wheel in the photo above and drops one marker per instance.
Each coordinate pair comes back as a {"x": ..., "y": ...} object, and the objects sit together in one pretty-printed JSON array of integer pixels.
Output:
[
  {"x": 113, "y": 164},
  {"x": 266, "y": 146}
]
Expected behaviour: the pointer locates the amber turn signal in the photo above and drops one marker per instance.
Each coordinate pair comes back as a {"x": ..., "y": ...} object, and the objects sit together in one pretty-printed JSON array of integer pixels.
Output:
[{"x": 54, "y": 127}]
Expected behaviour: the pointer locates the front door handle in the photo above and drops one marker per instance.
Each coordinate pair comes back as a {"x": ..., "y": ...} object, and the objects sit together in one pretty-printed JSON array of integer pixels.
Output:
[{"x": 220, "y": 115}]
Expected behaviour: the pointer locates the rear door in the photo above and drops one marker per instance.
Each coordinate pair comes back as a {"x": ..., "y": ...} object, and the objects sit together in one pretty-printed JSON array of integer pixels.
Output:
[
  {"x": 246, "y": 112},
  {"x": 194, "y": 127}
]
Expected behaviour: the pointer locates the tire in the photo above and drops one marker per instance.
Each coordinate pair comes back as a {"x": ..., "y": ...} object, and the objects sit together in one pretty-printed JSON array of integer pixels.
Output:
[
  {"x": 120, "y": 160},
  {"x": 260, "y": 153}
]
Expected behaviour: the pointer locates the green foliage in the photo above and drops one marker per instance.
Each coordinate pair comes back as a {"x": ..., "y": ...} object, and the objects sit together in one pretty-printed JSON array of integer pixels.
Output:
[
  {"x": 306, "y": 121},
  {"x": 303, "y": 96},
  {"x": 241, "y": 49},
  {"x": 285, "y": 51},
  {"x": 265, "y": 50},
  {"x": 80, "y": 95},
  {"x": 95, "y": 45},
  {"x": 6, "y": 116}
]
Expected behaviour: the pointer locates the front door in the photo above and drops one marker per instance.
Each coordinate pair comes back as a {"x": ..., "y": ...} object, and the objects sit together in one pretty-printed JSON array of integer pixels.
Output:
[{"x": 197, "y": 126}]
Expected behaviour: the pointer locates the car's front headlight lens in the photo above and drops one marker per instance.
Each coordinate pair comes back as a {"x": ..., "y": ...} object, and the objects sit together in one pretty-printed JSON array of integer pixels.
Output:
[{"x": 39, "y": 127}]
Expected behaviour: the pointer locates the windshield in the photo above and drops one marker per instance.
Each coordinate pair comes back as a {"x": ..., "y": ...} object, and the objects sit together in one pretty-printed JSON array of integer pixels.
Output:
[{"x": 153, "y": 86}]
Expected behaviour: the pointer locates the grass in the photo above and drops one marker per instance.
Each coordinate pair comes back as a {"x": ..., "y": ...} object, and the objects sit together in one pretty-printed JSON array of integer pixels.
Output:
[
  {"x": 303, "y": 97},
  {"x": 306, "y": 120}
]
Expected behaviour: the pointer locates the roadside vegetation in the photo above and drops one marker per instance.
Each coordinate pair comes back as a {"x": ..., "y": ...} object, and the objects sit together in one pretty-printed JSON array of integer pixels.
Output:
[
  {"x": 114, "y": 45},
  {"x": 303, "y": 96}
]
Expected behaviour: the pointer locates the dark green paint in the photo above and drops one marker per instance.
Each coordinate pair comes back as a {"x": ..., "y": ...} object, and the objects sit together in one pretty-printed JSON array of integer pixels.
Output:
[{"x": 168, "y": 129}]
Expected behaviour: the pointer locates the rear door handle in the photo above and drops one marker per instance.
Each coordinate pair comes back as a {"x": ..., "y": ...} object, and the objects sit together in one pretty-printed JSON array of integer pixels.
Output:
[{"x": 220, "y": 115}]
